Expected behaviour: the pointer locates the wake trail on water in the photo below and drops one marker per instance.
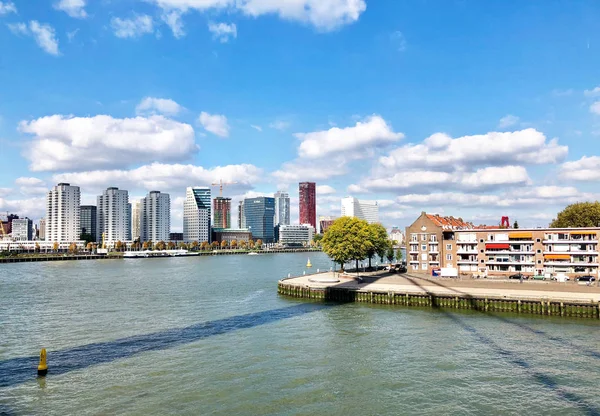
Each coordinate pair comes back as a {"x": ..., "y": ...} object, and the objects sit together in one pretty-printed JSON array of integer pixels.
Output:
[{"x": 251, "y": 296}]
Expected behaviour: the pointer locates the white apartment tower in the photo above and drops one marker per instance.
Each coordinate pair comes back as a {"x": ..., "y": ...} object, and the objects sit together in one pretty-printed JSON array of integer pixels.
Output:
[
  {"x": 155, "y": 217},
  {"x": 113, "y": 218},
  {"x": 282, "y": 208},
  {"x": 62, "y": 213},
  {"x": 196, "y": 214},
  {"x": 135, "y": 220},
  {"x": 364, "y": 210}
]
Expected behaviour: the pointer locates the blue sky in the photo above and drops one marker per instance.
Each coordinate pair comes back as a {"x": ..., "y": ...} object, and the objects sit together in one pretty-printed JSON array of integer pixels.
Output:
[{"x": 465, "y": 108}]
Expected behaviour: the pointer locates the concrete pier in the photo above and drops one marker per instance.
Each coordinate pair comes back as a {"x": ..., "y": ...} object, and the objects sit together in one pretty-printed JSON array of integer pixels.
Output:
[{"x": 540, "y": 298}]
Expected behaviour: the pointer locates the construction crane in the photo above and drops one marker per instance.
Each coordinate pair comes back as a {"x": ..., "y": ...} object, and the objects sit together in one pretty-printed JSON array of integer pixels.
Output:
[{"x": 220, "y": 185}]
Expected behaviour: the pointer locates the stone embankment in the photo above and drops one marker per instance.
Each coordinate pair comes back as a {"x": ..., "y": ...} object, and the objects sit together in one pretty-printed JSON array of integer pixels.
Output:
[{"x": 538, "y": 298}]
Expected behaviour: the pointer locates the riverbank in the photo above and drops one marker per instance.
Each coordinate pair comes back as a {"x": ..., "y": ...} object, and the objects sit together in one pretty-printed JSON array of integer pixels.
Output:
[
  {"x": 540, "y": 298},
  {"x": 20, "y": 258}
]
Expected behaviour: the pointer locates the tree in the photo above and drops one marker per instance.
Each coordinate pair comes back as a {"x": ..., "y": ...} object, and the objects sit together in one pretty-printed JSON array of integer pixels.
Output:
[
  {"x": 119, "y": 245},
  {"x": 86, "y": 237},
  {"x": 89, "y": 246},
  {"x": 258, "y": 244},
  {"x": 171, "y": 245},
  {"x": 516, "y": 225},
  {"x": 160, "y": 245},
  {"x": 55, "y": 247},
  {"x": 580, "y": 214},
  {"x": 379, "y": 241},
  {"x": 390, "y": 253},
  {"x": 223, "y": 244},
  {"x": 398, "y": 254},
  {"x": 145, "y": 245},
  {"x": 195, "y": 245},
  {"x": 233, "y": 244},
  {"x": 204, "y": 245},
  {"x": 243, "y": 244},
  {"x": 214, "y": 244},
  {"x": 348, "y": 238},
  {"x": 72, "y": 248},
  {"x": 37, "y": 247},
  {"x": 317, "y": 239},
  {"x": 250, "y": 244}
]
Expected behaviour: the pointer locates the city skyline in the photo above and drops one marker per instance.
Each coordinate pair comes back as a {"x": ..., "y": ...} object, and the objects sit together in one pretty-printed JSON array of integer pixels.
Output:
[{"x": 376, "y": 105}]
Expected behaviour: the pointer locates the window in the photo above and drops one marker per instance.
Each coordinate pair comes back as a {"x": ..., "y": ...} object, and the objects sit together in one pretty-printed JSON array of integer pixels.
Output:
[
  {"x": 482, "y": 251},
  {"x": 415, "y": 267},
  {"x": 537, "y": 240},
  {"x": 424, "y": 247},
  {"x": 423, "y": 237},
  {"x": 413, "y": 237},
  {"x": 423, "y": 266},
  {"x": 433, "y": 238},
  {"x": 539, "y": 262},
  {"x": 483, "y": 261},
  {"x": 481, "y": 240},
  {"x": 424, "y": 256},
  {"x": 449, "y": 257},
  {"x": 539, "y": 251},
  {"x": 449, "y": 247}
]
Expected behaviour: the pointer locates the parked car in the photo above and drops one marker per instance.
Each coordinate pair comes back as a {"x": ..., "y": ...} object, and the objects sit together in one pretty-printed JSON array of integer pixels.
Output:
[
  {"x": 518, "y": 276},
  {"x": 561, "y": 277},
  {"x": 585, "y": 279}
]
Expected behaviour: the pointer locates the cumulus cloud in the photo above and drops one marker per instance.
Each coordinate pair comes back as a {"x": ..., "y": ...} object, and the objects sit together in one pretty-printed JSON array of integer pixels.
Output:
[
  {"x": 74, "y": 8},
  {"x": 301, "y": 170},
  {"x": 214, "y": 123},
  {"x": 173, "y": 19},
  {"x": 165, "y": 177},
  {"x": 76, "y": 143},
  {"x": 151, "y": 105},
  {"x": 323, "y": 14},
  {"x": 441, "y": 151},
  {"x": 23, "y": 181},
  {"x": 508, "y": 121},
  {"x": 370, "y": 133},
  {"x": 7, "y": 7},
  {"x": 585, "y": 169},
  {"x": 135, "y": 27},
  {"x": 33, "y": 208},
  {"x": 325, "y": 190},
  {"x": 594, "y": 92},
  {"x": 223, "y": 31},
  {"x": 44, "y": 35}
]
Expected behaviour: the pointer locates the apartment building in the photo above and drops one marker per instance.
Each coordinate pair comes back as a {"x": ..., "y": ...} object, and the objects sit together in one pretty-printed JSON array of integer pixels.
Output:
[{"x": 62, "y": 213}]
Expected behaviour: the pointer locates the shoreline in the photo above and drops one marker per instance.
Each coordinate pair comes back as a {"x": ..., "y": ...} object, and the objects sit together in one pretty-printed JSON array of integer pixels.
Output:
[
  {"x": 533, "y": 298},
  {"x": 119, "y": 255}
]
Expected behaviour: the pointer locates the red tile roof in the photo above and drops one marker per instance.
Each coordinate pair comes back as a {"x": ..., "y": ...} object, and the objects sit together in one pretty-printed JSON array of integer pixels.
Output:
[{"x": 449, "y": 222}]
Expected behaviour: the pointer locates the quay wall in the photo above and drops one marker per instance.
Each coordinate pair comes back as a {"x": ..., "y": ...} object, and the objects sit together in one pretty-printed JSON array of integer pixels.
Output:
[
  {"x": 18, "y": 259},
  {"x": 545, "y": 306}
]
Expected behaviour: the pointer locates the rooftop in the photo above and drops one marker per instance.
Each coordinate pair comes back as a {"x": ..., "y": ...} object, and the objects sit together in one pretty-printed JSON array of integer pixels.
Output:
[{"x": 450, "y": 223}]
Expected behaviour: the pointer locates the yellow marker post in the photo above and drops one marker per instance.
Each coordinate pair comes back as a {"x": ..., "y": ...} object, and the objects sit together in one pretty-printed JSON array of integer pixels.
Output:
[{"x": 42, "y": 367}]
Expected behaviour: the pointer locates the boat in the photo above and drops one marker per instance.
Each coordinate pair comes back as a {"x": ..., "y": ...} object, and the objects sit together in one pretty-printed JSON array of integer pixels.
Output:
[
  {"x": 157, "y": 253},
  {"x": 253, "y": 253},
  {"x": 308, "y": 264}
]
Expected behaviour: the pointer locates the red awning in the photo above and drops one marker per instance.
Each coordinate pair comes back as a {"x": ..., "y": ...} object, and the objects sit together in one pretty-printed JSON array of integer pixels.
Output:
[{"x": 497, "y": 246}]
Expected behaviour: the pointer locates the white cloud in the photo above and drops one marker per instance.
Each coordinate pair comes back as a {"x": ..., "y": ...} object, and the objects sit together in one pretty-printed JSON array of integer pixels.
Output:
[
  {"x": 301, "y": 170},
  {"x": 173, "y": 19},
  {"x": 215, "y": 123},
  {"x": 74, "y": 8},
  {"x": 585, "y": 169},
  {"x": 279, "y": 125},
  {"x": 223, "y": 31},
  {"x": 322, "y": 14},
  {"x": 440, "y": 151},
  {"x": 370, "y": 133},
  {"x": 593, "y": 92},
  {"x": 325, "y": 190},
  {"x": 508, "y": 121},
  {"x": 5, "y": 191},
  {"x": 132, "y": 28},
  {"x": 74, "y": 143},
  {"x": 151, "y": 105},
  {"x": 165, "y": 177},
  {"x": 595, "y": 108},
  {"x": 44, "y": 35},
  {"x": 255, "y": 127},
  {"x": 33, "y": 208},
  {"x": 23, "y": 181},
  {"x": 7, "y": 7},
  {"x": 71, "y": 35},
  {"x": 495, "y": 176}
]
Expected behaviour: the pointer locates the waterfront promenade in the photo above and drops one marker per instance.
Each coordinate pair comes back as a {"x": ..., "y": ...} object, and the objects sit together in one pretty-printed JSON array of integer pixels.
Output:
[{"x": 545, "y": 298}]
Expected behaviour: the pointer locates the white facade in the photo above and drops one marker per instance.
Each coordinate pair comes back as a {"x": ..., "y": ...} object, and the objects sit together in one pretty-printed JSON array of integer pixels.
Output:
[
  {"x": 196, "y": 214},
  {"x": 396, "y": 235},
  {"x": 296, "y": 234},
  {"x": 155, "y": 217},
  {"x": 241, "y": 215},
  {"x": 136, "y": 207},
  {"x": 62, "y": 213},
  {"x": 364, "y": 210},
  {"x": 22, "y": 229},
  {"x": 282, "y": 208},
  {"x": 113, "y": 216}
]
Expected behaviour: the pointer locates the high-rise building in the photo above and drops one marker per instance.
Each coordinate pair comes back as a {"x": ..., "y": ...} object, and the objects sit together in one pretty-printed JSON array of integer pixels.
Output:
[
  {"x": 259, "y": 214},
  {"x": 89, "y": 221},
  {"x": 42, "y": 228},
  {"x": 325, "y": 222},
  {"x": 155, "y": 217},
  {"x": 196, "y": 214},
  {"x": 62, "y": 213},
  {"x": 113, "y": 216},
  {"x": 135, "y": 220},
  {"x": 282, "y": 208},
  {"x": 364, "y": 210},
  {"x": 222, "y": 212},
  {"x": 308, "y": 203},
  {"x": 7, "y": 225},
  {"x": 241, "y": 215},
  {"x": 22, "y": 229}
]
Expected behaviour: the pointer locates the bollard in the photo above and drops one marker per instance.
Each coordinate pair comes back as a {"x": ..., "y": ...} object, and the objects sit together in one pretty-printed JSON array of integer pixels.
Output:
[{"x": 42, "y": 367}]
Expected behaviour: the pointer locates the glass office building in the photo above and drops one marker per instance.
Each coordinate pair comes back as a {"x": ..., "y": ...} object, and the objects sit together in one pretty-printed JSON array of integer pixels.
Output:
[{"x": 259, "y": 213}]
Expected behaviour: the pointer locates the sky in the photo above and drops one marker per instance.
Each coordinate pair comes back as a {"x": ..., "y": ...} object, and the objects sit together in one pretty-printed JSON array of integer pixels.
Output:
[{"x": 457, "y": 107}]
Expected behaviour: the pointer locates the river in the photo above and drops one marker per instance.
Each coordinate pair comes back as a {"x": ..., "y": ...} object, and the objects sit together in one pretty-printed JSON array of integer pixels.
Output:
[{"x": 210, "y": 336}]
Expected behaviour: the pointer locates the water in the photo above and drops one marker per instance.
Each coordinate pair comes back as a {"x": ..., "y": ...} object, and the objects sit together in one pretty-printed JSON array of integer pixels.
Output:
[{"x": 210, "y": 336}]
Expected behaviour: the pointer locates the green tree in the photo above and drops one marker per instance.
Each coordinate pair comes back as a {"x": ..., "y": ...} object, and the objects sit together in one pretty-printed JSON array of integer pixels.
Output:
[
  {"x": 580, "y": 214},
  {"x": 379, "y": 241},
  {"x": 398, "y": 254},
  {"x": 317, "y": 240},
  {"x": 516, "y": 225},
  {"x": 348, "y": 238},
  {"x": 86, "y": 237},
  {"x": 390, "y": 253}
]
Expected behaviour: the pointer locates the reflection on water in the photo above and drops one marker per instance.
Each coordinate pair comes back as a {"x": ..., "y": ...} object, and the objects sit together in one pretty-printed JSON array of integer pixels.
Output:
[{"x": 211, "y": 336}]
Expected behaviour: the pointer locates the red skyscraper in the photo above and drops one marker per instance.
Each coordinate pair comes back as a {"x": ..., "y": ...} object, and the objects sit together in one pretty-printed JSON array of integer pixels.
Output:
[{"x": 308, "y": 204}]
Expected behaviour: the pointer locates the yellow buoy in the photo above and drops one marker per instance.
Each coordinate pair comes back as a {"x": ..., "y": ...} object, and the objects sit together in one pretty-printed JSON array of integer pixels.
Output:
[
  {"x": 42, "y": 367},
  {"x": 308, "y": 264}
]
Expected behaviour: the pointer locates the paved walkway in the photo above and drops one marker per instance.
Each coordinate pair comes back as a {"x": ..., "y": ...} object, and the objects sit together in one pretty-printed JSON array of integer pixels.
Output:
[{"x": 479, "y": 288}]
